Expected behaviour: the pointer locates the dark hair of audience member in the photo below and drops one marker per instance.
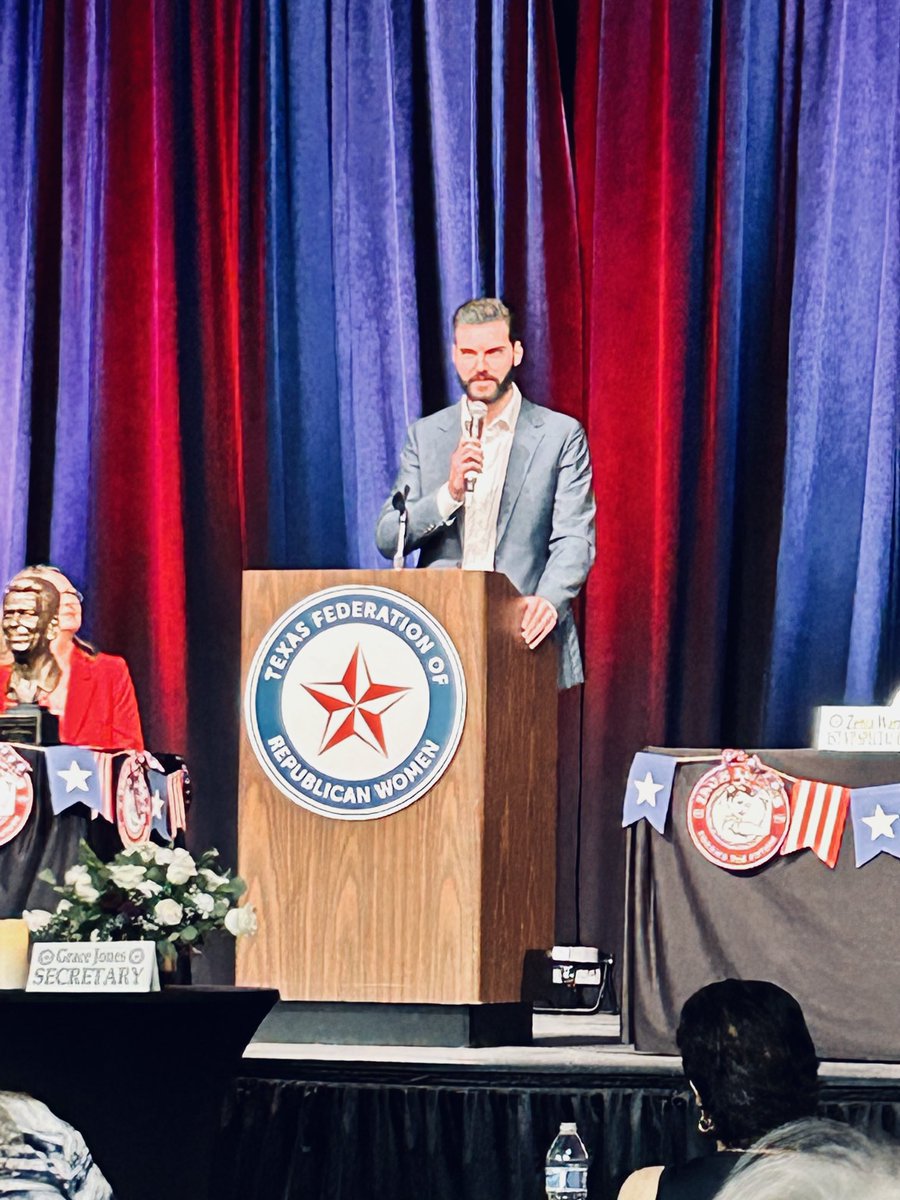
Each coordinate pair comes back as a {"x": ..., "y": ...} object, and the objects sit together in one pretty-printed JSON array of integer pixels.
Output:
[{"x": 747, "y": 1051}]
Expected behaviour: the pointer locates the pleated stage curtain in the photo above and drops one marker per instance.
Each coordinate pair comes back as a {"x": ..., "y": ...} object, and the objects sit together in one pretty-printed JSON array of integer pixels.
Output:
[{"x": 283, "y": 1139}]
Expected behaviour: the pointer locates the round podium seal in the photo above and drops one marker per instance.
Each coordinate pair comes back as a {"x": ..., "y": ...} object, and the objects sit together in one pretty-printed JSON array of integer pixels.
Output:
[
  {"x": 355, "y": 702},
  {"x": 134, "y": 804},
  {"x": 738, "y": 813},
  {"x": 16, "y": 794}
]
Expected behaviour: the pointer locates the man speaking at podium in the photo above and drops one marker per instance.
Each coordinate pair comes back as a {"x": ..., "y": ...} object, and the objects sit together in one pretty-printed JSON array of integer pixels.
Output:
[{"x": 498, "y": 483}]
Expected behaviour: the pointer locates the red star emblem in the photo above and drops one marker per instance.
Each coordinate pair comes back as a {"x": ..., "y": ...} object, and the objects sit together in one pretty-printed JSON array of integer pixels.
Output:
[{"x": 355, "y": 704}]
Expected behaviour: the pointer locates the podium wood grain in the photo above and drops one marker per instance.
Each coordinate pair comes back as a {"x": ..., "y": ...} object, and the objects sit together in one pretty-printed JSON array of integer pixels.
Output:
[{"x": 436, "y": 903}]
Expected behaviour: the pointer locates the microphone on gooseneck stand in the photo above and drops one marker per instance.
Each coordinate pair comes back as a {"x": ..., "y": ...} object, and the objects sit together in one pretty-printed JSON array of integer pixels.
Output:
[
  {"x": 474, "y": 429},
  {"x": 399, "y": 503}
]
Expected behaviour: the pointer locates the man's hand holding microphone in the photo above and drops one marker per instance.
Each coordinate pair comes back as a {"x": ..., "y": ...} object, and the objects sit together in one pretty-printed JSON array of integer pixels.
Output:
[{"x": 468, "y": 458}]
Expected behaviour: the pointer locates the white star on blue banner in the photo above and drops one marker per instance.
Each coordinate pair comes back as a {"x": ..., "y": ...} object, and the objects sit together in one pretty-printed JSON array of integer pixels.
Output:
[
  {"x": 159, "y": 798},
  {"x": 74, "y": 777},
  {"x": 875, "y": 812},
  {"x": 648, "y": 792}
]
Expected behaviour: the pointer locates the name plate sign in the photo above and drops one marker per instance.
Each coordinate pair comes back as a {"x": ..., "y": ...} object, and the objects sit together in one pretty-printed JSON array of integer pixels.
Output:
[
  {"x": 859, "y": 727},
  {"x": 93, "y": 967}
]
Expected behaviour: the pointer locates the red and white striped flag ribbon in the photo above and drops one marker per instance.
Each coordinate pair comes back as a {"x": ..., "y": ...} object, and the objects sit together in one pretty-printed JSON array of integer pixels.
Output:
[
  {"x": 175, "y": 789},
  {"x": 107, "y": 795},
  {"x": 818, "y": 816}
]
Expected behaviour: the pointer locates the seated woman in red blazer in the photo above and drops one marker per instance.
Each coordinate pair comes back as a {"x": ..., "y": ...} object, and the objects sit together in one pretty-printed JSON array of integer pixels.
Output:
[{"x": 94, "y": 698}]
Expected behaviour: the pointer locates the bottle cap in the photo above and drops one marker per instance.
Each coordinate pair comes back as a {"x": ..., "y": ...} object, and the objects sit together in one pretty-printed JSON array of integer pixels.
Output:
[{"x": 568, "y": 1127}]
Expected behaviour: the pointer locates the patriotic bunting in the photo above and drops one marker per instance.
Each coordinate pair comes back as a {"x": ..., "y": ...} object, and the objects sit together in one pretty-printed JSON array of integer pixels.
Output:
[
  {"x": 16, "y": 793},
  {"x": 737, "y": 813},
  {"x": 79, "y": 776},
  {"x": 177, "y": 784},
  {"x": 131, "y": 790},
  {"x": 817, "y": 818},
  {"x": 818, "y": 815},
  {"x": 159, "y": 802},
  {"x": 875, "y": 812},
  {"x": 649, "y": 789},
  {"x": 136, "y": 808}
]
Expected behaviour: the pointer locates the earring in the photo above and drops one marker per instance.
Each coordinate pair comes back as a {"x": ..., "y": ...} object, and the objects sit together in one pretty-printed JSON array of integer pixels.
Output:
[{"x": 706, "y": 1124}]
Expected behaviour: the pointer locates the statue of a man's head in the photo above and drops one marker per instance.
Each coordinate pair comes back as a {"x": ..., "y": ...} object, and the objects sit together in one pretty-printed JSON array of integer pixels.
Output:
[{"x": 30, "y": 616}]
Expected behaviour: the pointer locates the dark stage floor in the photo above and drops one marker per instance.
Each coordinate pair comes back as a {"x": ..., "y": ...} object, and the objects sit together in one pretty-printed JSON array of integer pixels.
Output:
[{"x": 567, "y": 1044}]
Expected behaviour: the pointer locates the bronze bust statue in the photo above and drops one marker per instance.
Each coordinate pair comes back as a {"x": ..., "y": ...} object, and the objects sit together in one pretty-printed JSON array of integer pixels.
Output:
[{"x": 30, "y": 624}]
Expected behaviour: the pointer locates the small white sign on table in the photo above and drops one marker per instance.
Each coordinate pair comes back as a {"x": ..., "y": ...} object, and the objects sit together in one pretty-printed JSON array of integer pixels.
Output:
[
  {"x": 867, "y": 728},
  {"x": 93, "y": 967}
]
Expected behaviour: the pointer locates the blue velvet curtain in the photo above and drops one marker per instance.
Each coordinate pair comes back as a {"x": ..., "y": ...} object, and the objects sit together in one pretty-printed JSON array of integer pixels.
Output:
[
  {"x": 372, "y": 213},
  {"x": 732, "y": 435},
  {"x": 81, "y": 266},
  {"x": 407, "y": 147},
  {"x": 835, "y": 616},
  {"x": 306, "y": 513},
  {"x": 20, "y": 45}
]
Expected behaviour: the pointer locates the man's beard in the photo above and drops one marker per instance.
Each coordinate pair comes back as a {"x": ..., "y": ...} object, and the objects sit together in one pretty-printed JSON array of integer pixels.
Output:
[{"x": 502, "y": 387}]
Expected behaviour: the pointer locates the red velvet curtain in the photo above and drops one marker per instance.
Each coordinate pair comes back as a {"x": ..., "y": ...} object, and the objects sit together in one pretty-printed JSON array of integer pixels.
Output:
[
  {"x": 640, "y": 145},
  {"x": 180, "y": 450}
]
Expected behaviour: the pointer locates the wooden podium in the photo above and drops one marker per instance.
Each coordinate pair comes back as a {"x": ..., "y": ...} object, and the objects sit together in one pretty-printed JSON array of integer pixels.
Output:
[{"x": 435, "y": 904}]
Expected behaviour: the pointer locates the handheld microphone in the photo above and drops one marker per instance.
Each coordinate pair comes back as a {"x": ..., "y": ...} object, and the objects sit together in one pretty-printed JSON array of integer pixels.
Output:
[
  {"x": 399, "y": 504},
  {"x": 475, "y": 428}
]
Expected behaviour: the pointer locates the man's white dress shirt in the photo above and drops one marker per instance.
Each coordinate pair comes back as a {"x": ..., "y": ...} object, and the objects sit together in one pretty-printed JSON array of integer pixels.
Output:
[{"x": 483, "y": 503}]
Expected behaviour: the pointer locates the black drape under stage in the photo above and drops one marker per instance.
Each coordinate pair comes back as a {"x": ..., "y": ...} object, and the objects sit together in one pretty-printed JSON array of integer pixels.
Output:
[{"x": 412, "y": 1133}]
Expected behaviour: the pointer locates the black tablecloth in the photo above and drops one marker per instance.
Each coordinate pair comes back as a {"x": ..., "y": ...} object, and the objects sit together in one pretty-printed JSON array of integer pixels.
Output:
[
  {"x": 828, "y": 937},
  {"x": 142, "y": 1077}
]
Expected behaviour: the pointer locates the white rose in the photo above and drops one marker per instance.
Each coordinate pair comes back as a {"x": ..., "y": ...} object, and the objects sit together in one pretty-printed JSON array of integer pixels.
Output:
[
  {"x": 213, "y": 881},
  {"x": 37, "y": 919},
  {"x": 181, "y": 868},
  {"x": 163, "y": 855},
  {"x": 127, "y": 876},
  {"x": 85, "y": 890},
  {"x": 145, "y": 852},
  {"x": 77, "y": 874},
  {"x": 149, "y": 888},
  {"x": 204, "y": 904},
  {"x": 240, "y": 921},
  {"x": 63, "y": 906},
  {"x": 168, "y": 912}
]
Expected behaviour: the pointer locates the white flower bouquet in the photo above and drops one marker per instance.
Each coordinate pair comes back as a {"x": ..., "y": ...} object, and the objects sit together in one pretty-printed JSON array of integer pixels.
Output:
[{"x": 146, "y": 893}]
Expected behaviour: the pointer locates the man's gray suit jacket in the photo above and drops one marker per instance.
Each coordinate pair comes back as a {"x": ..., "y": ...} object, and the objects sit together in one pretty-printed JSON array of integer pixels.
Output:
[{"x": 545, "y": 528}]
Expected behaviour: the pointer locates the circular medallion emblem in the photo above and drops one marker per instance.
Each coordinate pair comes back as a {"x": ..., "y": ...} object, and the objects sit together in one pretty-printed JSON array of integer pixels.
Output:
[
  {"x": 355, "y": 702},
  {"x": 134, "y": 805},
  {"x": 16, "y": 800},
  {"x": 738, "y": 813}
]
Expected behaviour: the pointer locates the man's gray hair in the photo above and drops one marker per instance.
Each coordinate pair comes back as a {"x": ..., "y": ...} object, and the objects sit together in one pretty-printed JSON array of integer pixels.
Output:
[
  {"x": 482, "y": 310},
  {"x": 816, "y": 1160}
]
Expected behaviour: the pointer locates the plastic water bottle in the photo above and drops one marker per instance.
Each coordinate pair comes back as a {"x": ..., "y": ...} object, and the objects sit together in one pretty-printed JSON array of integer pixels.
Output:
[{"x": 567, "y": 1165}]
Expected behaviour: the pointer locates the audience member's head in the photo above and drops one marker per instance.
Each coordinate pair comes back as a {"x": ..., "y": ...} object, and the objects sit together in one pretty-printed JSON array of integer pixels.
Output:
[
  {"x": 749, "y": 1056},
  {"x": 43, "y": 1156},
  {"x": 816, "y": 1160}
]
